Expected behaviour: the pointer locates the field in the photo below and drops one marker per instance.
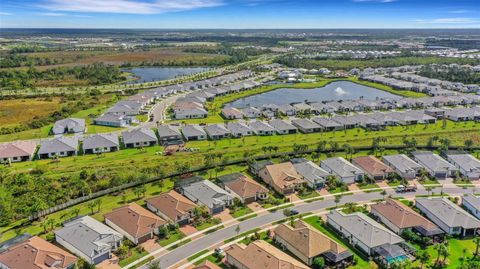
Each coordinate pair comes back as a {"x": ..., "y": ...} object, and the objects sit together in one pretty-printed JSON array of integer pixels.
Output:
[{"x": 18, "y": 111}]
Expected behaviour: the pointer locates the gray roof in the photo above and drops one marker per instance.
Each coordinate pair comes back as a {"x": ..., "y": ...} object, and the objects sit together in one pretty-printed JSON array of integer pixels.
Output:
[
  {"x": 342, "y": 167},
  {"x": 58, "y": 144},
  {"x": 88, "y": 235},
  {"x": 193, "y": 130},
  {"x": 101, "y": 141},
  {"x": 139, "y": 135},
  {"x": 168, "y": 131},
  {"x": 238, "y": 128},
  {"x": 281, "y": 125},
  {"x": 449, "y": 213},
  {"x": 207, "y": 193},
  {"x": 190, "y": 111},
  {"x": 260, "y": 126},
  {"x": 365, "y": 229},
  {"x": 465, "y": 161},
  {"x": 216, "y": 129},
  {"x": 305, "y": 124},
  {"x": 110, "y": 118},
  {"x": 72, "y": 124},
  {"x": 433, "y": 161},
  {"x": 472, "y": 200},
  {"x": 309, "y": 170},
  {"x": 402, "y": 162},
  {"x": 326, "y": 123}
]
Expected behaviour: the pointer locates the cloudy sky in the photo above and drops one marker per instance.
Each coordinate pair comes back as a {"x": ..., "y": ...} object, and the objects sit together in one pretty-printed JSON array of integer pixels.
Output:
[{"x": 240, "y": 13}]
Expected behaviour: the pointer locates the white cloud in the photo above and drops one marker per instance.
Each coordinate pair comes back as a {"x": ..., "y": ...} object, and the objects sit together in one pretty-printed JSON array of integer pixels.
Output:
[
  {"x": 5, "y": 14},
  {"x": 448, "y": 21},
  {"x": 51, "y": 14},
  {"x": 128, "y": 6}
]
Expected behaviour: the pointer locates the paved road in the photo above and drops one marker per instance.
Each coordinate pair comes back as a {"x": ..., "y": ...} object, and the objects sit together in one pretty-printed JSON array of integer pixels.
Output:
[{"x": 173, "y": 257}]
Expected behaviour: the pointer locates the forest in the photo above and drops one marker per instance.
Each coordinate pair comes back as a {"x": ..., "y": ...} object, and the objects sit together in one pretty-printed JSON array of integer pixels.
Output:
[{"x": 454, "y": 74}]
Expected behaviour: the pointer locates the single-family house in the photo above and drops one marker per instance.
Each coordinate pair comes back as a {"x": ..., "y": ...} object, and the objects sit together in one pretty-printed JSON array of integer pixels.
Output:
[
  {"x": 58, "y": 147},
  {"x": 327, "y": 124},
  {"x": 113, "y": 120},
  {"x": 403, "y": 165},
  {"x": 434, "y": 164},
  {"x": 251, "y": 112},
  {"x": 468, "y": 165},
  {"x": 313, "y": 174},
  {"x": 399, "y": 217},
  {"x": 190, "y": 113},
  {"x": 69, "y": 126},
  {"x": 243, "y": 187},
  {"x": 89, "y": 239},
  {"x": 286, "y": 110},
  {"x": 232, "y": 113},
  {"x": 139, "y": 137},
  {"x": 472, "y": 204},
  {"x": 238, "y": 129},
  {"x": 368, "y": 236},
  {"x": 451, "y": 218},
  {"x": 169, "y": 134},
  {"x": 134, "y": 222},
  {"x": 100, "y": 143},
  {"x": 193, "y": 133},
  {"x": 307, "y": 243},
  {"x": 282, "y": 127},
  {"x": 17, "y": 151},
  {"x": 256, "y": 166},
  {"x": 26, "y": 252},
  {"x": 261, "y": 128},
  {"x": 373, "y": 167},
  {"x": 172, "y": 206},
  {"x": 217, "y": 131},
  {"x": 306, "y": 126},
  {"x": 343, "y": 169},
  {"x": 205, "y": 192},
  {"x": 260, "y": 255},
  {"x": 282, "y": 177}
]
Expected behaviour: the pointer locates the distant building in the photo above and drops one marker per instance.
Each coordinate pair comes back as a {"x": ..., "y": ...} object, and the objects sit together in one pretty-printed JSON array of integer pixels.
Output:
[{"x": 69, "y": 126}]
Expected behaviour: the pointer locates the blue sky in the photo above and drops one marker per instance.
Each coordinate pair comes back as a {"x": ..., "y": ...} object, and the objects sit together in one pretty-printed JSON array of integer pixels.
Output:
[{"x": 240, "y": 13}]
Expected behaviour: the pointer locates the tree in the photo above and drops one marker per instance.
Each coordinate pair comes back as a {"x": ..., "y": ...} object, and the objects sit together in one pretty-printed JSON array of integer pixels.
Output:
[
  {"x": 237, "y": 229},
  {"x": 442, "y": 251},
  {"x": 423, "y": 257},
  {"x": 348, "y": 151},
  {"x": 337, "y": 200},
  {"x": 383, "y": 193},
  {"x": 476, "y": 240},
  {"x": 318, "y": 263},
  {"x": 98, "y": 204},
  {"x": 428, "y": 189},
  {"x": 91, "y": 205},
  {"x": 468, "y": 144},
  {"x": 154, "y": 265}
]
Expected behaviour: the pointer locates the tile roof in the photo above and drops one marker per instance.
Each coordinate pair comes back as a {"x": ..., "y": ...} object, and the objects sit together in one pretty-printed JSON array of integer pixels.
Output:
[
  {"x": 36, "y": 253},
  {"x": 372, "y": 165},
  {"x": 448, "y": 212},
  {"x": 135, "y": 220},
  {"x": 242, "y": 185},
  {"x": 17, "y": 149},
  {"x": 284, "y": 174},
  {"x": 172, "y": 204},
  {"x": 342, "y": 167}
]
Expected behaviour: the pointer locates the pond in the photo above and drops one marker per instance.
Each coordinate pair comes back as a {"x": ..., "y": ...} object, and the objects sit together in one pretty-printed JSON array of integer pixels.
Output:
[
  {"x": 338, "y": 90},
  {"x": 149, "y": 74}
]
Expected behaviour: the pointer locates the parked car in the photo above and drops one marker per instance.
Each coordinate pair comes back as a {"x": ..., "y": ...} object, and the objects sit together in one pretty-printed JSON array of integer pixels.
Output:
[{"x": 402, "y": 188}]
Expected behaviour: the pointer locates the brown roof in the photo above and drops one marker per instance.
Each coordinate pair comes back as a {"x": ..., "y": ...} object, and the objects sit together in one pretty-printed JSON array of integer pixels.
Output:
[
  {"x": 284, "y": 174},
  {"x": 401, "y": 215},
  {"x": 172, "y": 204},
  {"x": 372, "y": 165},
  {"x": 262, "y": 255},
  {"x": 36, "y": 253},
  {"x": 185, "y": 105},
  {"x": 134, "y": 219},
  {"x": 307, "y": 240},
  {"x": 245, "y": 187},
  {"x": 17, "y": 149},
  {"x": 207, "y": 265}
]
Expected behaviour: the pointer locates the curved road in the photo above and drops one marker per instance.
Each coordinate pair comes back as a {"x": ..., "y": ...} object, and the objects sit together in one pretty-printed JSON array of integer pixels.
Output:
[{"x": 183, "y": 252}]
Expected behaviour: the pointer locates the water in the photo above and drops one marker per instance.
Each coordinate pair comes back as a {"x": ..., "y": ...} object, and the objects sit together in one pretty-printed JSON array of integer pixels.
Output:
[
  {"x": 339, "y": 90},
  {"x": 149, "y": 74}
]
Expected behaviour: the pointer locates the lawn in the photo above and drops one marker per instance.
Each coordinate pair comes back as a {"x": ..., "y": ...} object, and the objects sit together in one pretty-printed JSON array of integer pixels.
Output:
[
  {"x": 362, "y": 260},
  {"x": 133, "y": 256},
  {"x": 455, "y": 247},
  {"x": 206, "y": 225},
  {"x": 241, "y": 212},
  {"x": 173, "y": 237},
  {"x": 364, "y": 186},
  {"x": 308, "y": 194}
]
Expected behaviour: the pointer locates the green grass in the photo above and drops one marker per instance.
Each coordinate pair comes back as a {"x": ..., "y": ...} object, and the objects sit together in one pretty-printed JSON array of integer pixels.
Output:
[
  {"x": 173, "y": 237},
  {"x": 205, "y": 225},
  {"x": 214, "y": 260},
  {"x": 135, "y": 255},
  {"x": 308, "y": 194},
  {"x": 455, "y": 247},
  {"x": 362, "y": 259},
  {"x": 430, "y": 181},
  {"x": 364, "y": 186},
  {"x": 179, "y": 244},
  {"x": 241, "y": 212},
  {"x": 404, "y": 93},
  {"x": 198, "y": 254}
]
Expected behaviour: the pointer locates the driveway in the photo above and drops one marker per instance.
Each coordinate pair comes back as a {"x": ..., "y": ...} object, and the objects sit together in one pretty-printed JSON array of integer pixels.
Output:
[
  {"x": 353, "y": 187},
  {"x": 188, "y": 229}
]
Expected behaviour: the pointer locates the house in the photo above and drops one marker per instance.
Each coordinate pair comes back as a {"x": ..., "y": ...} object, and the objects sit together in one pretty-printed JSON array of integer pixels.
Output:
[
  {"x": 286, "y": 110},
  {"x": 17, "y": 151},
  {"x": 232, "y": 113},
  {"x": 373, "y": 167},
  {"x": 403, "y": 165},
  {"x": 172, "y": 206},
  {"x": 205, "y": 192},
  {"x": 169, "y": 134},
  {"x": 448, "y": 216},
  {"x": 69, "y": 126},
  {"x": 113, "y": 120},
  {"x": 256, "y": 166},
  {"x": 139, "y": 137},
  {"x": 251, "y": 112},
  {"x": 217, "y": 131},
  {"x": 345, "y": 122},
  {"x": 243, "y": 187},
  {"x": 368, "y": 236},
  {"x": 89, "y": 239},
  {"x": 313, "y": 174},
  {"x": 434, "y": 164},
  {"x": 193, "y": 133},
  {"x": 261, "y": 128},
  {"x": 344, "y": 170},
  {"x": 327, "y": 124},
  {"x": 306, "y": 126},
  {"x": 282, "y": 127},
  {"x": 472, "y": 204},
  {"x": 134, "y": 222},
  {"x": 468, "y": 165},
  {"x": 100, "y": 143},
  {"x": 399, "y": 217},
  {"x": 190, "y": 113},
  {"x": 126, "y": 108},
  {"x": 260, "y": 255},
  {"x": 58, "y": 147},
  {"x": 24, "y": 252},
  {"x": 282, "y": 177},
  {"x": 307, "y": 243},
  {"x": 238, "y": 129}
]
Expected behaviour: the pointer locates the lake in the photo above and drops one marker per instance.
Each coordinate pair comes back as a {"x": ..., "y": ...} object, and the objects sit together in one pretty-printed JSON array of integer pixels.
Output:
[
  {"x": 149, "y": 74},
  {"x": 338, "y": 90}
]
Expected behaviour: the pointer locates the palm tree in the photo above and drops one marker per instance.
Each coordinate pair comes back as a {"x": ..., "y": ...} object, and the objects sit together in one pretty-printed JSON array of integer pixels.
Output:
[
  {"x": 476, "y": 240},
  {"x": 428, "y": 189},
  {"x": 348, "y": 151},
  {"x": 91, "y": 205},
  {"x": 442, "y": 250},
  {"x": 383, "y": 193},
  {"x": 424, "y": 257},
  {"x": 337, "y": 200}
]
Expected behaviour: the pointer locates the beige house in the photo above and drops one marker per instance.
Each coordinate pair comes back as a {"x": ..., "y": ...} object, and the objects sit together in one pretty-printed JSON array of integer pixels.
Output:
[
  {"x": 172, "y": 206},
  {"x": 282, "y": 177}
]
